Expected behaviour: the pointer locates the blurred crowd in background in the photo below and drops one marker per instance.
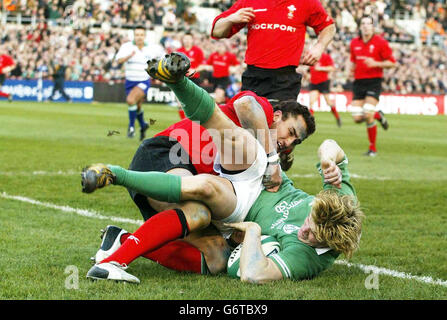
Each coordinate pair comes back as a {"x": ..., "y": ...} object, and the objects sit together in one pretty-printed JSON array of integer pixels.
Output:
[{"x": 86, "y": 34}]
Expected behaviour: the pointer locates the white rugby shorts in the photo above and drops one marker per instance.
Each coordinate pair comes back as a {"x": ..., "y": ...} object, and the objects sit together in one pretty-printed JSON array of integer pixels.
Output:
[{"x": 247, "y": 186}]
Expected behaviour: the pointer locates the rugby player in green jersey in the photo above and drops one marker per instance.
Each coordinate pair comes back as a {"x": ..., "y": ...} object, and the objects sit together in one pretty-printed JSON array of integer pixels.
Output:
[{"x": 312, "y": 232}]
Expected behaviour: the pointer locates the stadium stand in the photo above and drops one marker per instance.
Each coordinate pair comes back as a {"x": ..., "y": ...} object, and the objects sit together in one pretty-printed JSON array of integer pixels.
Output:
[{"x": 88, "y": 33}]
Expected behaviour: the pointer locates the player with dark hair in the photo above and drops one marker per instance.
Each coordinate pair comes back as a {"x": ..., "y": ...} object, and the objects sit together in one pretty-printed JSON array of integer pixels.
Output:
[
  {"x": 275, "y": 42},
  {"x": 7, "y": 64},
  {"x": 320, "y": 84},
  {"x": 330, "y": 223},
  {"x": 370, "y": 54},
  {"x": 134, "y": 55}
]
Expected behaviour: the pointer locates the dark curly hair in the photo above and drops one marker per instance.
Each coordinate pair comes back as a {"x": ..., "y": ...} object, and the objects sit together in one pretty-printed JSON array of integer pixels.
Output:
[{"x": 292, "y": 108}]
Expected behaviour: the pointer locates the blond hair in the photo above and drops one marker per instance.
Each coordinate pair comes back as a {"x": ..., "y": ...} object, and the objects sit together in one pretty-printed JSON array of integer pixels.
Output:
[{"x": 338, "y": 221}]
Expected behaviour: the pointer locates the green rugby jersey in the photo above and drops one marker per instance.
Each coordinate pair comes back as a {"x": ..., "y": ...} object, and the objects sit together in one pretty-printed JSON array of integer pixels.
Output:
[{"x": 281, "y": 215}]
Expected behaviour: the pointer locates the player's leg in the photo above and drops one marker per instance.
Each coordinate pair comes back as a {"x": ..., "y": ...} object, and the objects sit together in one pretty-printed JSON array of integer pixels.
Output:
[
  {"x": 313, "y": 98},
  {"x": 331, "y": 103},
  {"x": 201, "y": 252},
  {"x": 236, "y": 146},
  {"x": 3, "y": 94},
  {"x": 134, "y": 95},
  {"x": 371, "y": 126},
  {"x": 357, "y": 112}
]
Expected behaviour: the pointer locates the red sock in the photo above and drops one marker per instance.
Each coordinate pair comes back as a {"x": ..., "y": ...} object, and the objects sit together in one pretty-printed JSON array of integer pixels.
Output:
[
  {"x": 372, "y": 134},
  {"x": 155, "y": 232},
  {"x": 4, "y": 95},
  {"x": 311, "y": 111},
  {"x": 377, "y": 116},
  {"x": 175, "y": 255},
  {"x": 178, "y": 255},
  {"x": 335, "y": 113},
  {"x": 181, "y": 114}
]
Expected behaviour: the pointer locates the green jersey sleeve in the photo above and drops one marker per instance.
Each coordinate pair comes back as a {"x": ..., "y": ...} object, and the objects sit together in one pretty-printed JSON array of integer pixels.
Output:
[
  {"x": 301, "y": 261},
  {"x": 346, "y": 186}
]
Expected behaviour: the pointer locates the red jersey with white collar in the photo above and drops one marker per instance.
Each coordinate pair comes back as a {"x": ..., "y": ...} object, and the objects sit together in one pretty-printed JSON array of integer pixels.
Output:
[
  {"x": 317, "y": 76},
  {"x": 197, "y": 141},
  {"x": 376, "y": 48},
  {"x": 221, "y": 63},
  {"x": 276, "y": 35},
  {"x": 195, "y": 55}
]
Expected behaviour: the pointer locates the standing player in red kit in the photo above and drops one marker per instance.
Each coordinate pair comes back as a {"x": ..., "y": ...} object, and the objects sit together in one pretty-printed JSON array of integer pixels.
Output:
[
  {"x": 220, "y": 63},
  {"x": 196, "y": 58},
  {"x": 370, "y": 54},
  {"x": 320, "y": 83},
  {"x": 275, "y": 42},
  {"x": 6, "y": 65}
]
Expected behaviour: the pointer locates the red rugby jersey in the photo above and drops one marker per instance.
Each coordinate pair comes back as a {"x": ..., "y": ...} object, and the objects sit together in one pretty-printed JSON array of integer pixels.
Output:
[
  {"x": 376, "y": 48},
  {"x": 5, "y": 61},
  {"x": 222, "y": 63},
  {"x": 316, "y": 76},
  {"x": 195, "y": 55},
  {"x": 196, "y": 140},
  {"x": 276, "y": 35}
]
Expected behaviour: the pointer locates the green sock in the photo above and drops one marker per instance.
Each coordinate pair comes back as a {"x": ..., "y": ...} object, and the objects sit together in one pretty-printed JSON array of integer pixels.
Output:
[
  {"x": 196, "y": 102},
  {"x": 157, "y": 185}
]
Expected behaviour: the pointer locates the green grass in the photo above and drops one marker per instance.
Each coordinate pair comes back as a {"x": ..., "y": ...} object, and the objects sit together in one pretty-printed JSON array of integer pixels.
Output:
[{"x": 403, "y": 192}]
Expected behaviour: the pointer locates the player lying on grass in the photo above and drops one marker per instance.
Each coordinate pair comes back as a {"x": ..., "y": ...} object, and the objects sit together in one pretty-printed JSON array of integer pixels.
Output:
[
  {"x": 229, "y": 198},
  {"x": 184, "y": 149}
]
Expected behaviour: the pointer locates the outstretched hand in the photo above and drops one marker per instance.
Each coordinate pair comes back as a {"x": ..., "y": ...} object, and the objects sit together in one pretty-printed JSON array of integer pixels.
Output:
[{"x": 331, "y": 173}]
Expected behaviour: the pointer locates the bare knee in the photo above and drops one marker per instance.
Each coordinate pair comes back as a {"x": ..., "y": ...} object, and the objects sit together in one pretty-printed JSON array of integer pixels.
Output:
[
  {"x": 197, "y": 215},
  {"x": 205, "y": 188},
  {"x": 130, "y": 100}
]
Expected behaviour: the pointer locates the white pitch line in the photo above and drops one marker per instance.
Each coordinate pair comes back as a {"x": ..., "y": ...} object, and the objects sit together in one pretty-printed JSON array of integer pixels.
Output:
[
  {"x": 96, "y": 215},
  {"x": 81, "y": 212},
  {"x": 392, "y": 273},
  {"x": 40, "y": 173}
]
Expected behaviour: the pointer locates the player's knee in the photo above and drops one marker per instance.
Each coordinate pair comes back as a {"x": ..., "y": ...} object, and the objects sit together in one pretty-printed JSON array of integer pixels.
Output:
[
  {"x": 131, "y": 100},
  {"x": 206, "y": 188},
  {"x": 198, "y": 215}
]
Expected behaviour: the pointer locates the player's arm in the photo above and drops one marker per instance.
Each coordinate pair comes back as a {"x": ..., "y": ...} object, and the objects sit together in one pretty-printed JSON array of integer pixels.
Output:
[
  {"x": 313, "y": 55},
  {"x": 325, "y": 68},
  {"x": 124, "y": 54},
  {"x": 254, "y": 265},
  {"x": 252, "y": 117},
  {"x": 223, "y": 26},
  {"x": 330, "y": 154},
  {"x": 126, "y": 58},
  {"x": 386, "y": 64}
]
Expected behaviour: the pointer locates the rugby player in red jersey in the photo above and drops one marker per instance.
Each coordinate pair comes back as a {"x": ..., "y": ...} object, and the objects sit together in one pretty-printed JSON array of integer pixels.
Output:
[
  {"x": 370, "y": 54},
  {"x": 275, "y": 42},
  {"x": 186, "y": 149},
  {"x": 196, "y": 58},
  {"x": 7, "y": 64},
  {"x": 320, "y": 83},
  {"x": 220, "y": 63},
  {"x": 231, "y": 196}
]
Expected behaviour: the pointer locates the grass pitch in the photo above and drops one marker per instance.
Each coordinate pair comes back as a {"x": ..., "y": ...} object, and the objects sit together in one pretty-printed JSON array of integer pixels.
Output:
[{"x": 46, "y": 239}]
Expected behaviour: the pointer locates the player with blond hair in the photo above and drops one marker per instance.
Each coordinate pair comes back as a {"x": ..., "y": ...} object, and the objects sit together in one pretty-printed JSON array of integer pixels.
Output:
[{"x": 311, "y": 237}]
